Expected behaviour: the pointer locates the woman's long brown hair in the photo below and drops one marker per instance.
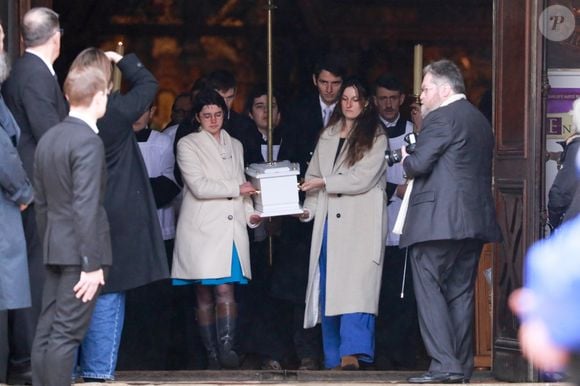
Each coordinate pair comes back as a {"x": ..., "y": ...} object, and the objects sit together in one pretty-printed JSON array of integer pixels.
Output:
[{"x": 364, "y": 129}]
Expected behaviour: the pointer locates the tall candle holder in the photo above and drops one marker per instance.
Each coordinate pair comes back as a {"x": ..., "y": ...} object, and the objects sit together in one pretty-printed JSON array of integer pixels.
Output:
[
  {"x": 120, "y": 49},
  {"x": 417, "y": 76}
]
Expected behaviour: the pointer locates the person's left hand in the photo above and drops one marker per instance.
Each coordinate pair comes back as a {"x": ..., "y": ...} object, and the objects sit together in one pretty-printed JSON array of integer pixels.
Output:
[{"x": 312, "y": 184}]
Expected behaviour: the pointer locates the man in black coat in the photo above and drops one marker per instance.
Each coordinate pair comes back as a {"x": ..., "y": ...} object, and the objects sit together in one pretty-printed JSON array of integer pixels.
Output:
[
  {"x": 69, "y": 180},
  {"x": 33, "y": 95},
  {"x": 450, "y": 216},
  {"x": 303, "y": 124},
  {"x": 138, "y": 248}
]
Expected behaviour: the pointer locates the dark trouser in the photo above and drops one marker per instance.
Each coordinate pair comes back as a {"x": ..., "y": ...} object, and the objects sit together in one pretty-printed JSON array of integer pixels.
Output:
[
  {"x": 270, "y": 326},
  {"x": 444, "y": 274},
  {"x": 397, "y": 331},
  {"x": 22, "y": 323},
  {"x": 261, "y": 329},
  {"x": 63, "y": 323},
  {"x": 3, "y": 345},
  {"x": 307, "y": 341}
]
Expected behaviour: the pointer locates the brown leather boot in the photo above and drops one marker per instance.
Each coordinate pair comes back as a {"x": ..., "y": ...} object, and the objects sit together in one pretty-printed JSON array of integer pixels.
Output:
[
  {"x": 226, "y": 316},
  {"x": 207, "y": 332}
]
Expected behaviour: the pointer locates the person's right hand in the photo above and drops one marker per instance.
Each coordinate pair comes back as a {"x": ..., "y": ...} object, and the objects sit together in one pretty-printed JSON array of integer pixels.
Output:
[
  {"x": 247, "y": 189},
  {"x": 23, "y": 207},
  {"x": 113, "y": 56},
  {"x": 89, "y": 283}
]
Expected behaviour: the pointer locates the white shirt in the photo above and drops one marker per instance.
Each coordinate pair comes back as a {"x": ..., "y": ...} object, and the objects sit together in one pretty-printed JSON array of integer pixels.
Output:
[
  {"x": 91, "y": 122},
  {"x": 452, "y": 98},
  {"x": 395, "y": 176},
  {"x": 159, "y": 160}
]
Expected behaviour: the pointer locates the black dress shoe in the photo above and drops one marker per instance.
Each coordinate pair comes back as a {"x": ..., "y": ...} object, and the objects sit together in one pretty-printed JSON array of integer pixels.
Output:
[
  {"x": 437, "y": 377},
  {"x": 20, "y": 378},
  {"x": 309, "y": 364}
]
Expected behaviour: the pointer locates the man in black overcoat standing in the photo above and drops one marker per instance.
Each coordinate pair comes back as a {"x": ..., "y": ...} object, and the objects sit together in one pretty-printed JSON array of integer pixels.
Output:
[
  {"x": 33, "y": 95},
  {"x": 138, "y": 249},
  {"x": 450, "y": 216},
  {"x": 69, "y": 180},
  {"x": 303, "y": 124}
]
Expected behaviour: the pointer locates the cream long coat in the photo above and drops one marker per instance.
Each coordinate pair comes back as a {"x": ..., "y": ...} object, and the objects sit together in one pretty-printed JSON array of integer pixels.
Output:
[
  {"x": 354, "y": 201},
  {"x": 213, "y": 215}
]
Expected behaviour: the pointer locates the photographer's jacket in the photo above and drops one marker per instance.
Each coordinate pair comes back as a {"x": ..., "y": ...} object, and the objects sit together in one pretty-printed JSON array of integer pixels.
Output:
[{"x": 451, "y": 168}]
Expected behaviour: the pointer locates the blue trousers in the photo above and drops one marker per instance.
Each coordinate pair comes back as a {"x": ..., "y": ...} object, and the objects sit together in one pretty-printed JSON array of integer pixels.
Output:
[
  {"x": 346, "y": 334},
  {"x": 100, "y": 347}
]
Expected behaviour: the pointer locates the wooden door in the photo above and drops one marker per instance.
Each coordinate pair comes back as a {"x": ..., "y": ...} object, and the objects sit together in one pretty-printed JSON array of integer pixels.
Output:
[{"x": 518, "y": 169}]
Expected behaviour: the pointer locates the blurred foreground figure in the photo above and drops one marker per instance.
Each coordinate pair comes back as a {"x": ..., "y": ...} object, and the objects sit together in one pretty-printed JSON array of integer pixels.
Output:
[{"x": 549, "y": 305}]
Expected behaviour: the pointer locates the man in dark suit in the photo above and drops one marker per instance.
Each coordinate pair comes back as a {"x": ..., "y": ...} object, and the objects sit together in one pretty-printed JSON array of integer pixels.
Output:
[
  {"x": 450, "y": 216},
  {"x": 303, "y": 124},
  {"x": 69, "y": 177},
  {"x": 311, "y": 113},
  {"x": 33, "y": 95}
]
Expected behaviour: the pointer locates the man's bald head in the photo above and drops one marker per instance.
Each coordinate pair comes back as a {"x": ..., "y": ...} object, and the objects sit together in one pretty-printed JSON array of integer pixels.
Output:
[{"x": 38, "y": 26}]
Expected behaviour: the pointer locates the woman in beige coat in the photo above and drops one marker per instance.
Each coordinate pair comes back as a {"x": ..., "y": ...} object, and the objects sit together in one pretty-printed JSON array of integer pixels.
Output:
[
  {"x": 345, "y": 185},
  {"x": 211, "y": 243}
]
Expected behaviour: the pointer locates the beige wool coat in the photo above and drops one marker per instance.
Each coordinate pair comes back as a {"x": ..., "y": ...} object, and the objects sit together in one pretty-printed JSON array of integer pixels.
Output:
[
  {"x": 354, "y": 204},
  {"x": 213, "y": 215}
]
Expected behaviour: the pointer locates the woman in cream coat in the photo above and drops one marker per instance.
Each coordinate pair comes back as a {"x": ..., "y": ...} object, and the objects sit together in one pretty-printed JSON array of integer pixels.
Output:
[
  {"x": 211, "y": 244},
  {"x": 345, "y": 185}
]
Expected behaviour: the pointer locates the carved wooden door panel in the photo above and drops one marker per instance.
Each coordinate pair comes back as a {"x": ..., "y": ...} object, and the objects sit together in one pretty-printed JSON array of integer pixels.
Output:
[{"x": 518, "y": 168}]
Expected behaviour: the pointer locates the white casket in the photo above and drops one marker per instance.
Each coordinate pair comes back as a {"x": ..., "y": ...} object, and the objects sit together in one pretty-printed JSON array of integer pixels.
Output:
[{"x": 277, "y": 183}]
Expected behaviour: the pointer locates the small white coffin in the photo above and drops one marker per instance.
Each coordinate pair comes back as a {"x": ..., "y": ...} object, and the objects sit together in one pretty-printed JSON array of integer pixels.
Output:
[{"x": 277, "y": 183}]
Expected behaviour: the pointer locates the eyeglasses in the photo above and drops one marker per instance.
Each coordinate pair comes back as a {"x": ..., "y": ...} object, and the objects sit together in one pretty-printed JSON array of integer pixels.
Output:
[{"x": 61, "y": 30}]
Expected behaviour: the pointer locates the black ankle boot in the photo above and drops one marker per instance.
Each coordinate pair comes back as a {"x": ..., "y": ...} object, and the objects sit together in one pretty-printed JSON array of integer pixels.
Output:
[
  {"x": 208, "y": 334},
  {"x": 226, "y": 315}
]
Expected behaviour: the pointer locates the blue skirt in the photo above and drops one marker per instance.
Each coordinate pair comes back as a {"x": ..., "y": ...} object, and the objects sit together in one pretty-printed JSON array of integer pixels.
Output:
[{"x": 236, "y": 276}]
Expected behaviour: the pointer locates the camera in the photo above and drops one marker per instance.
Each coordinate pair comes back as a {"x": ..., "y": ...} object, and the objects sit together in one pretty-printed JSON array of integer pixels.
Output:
[{"x": 394, "y": 156}]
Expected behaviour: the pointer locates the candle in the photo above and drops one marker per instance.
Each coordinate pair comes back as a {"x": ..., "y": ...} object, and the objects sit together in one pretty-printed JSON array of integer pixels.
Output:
[
  {"x": 417, "y": 69},
  {"x": 117, "y": 73}
]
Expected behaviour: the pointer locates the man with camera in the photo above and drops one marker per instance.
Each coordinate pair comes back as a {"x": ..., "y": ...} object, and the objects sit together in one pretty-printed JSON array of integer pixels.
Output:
[
  {"x": 450, "y": 216},
  {"x": 397, "y": 331}
]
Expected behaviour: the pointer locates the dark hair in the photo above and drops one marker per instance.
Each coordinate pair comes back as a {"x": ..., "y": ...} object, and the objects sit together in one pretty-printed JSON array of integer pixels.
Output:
[
  {"x": 183, "y": 95},
  {"x": 38, "y": 25},
  {"x": 366, "y": 127},
  {"x": 333, "y": 63},
  {"x": 197, "y": 86},
  {"x": 390, "y": 82},
  {"x": 207, "y": 97},
  {"x": 256, "y": 92},
  {"x": 220, "y": 80},
  {"x": 445, "y": 70}
]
